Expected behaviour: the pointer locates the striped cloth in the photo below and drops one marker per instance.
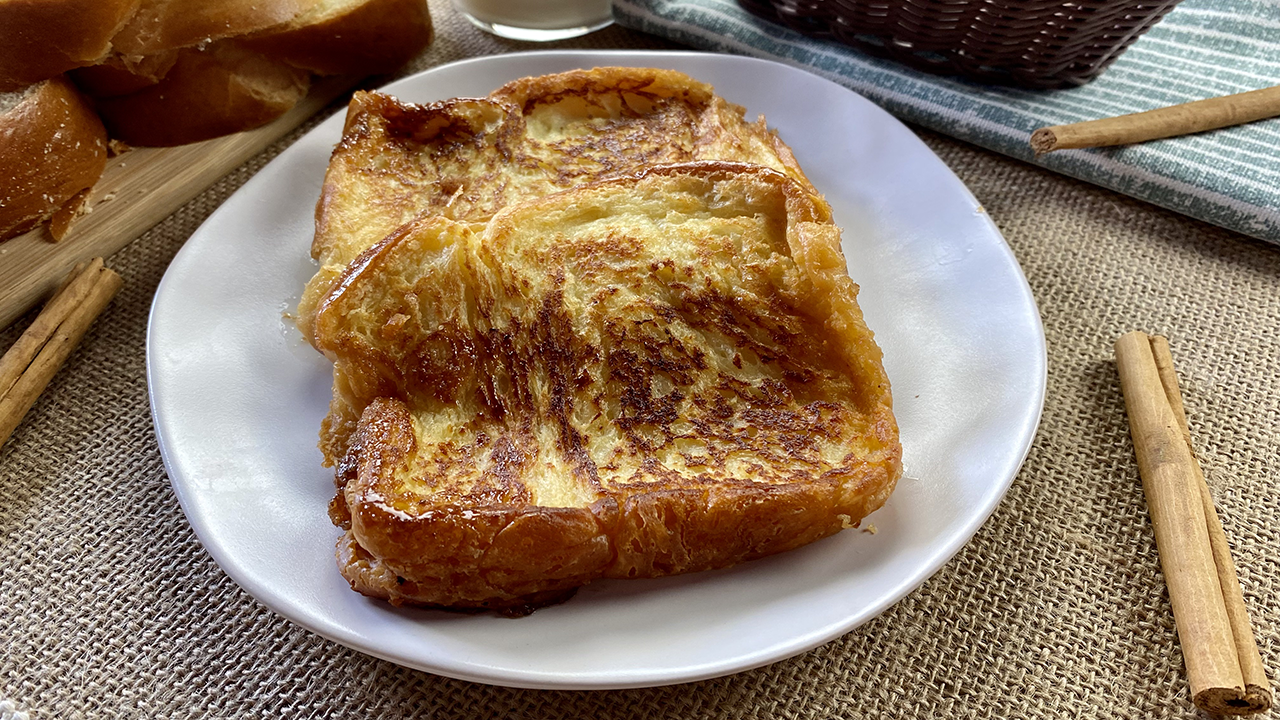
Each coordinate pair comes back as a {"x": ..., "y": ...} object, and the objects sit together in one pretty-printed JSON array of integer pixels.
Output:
[{"x": 1203, "y": 48}]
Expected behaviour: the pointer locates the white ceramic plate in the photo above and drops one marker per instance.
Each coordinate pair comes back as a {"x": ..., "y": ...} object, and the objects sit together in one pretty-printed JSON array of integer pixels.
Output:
[{"x": 237, "y": 399}]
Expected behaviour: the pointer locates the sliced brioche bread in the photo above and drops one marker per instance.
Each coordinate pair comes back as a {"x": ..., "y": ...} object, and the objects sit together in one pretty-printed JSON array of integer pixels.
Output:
[
  {"x": 160, "y": 25},
  {"x": 222, "y": 89},
  {"x": 348, "y": 37},
  {"x": 466, "y": 159},
  {"x": 641, "y": 376},
  {"x": 52, "y": 147},
  {"x": 43, "y": 38},
  {"x": 119, "y": 74}
]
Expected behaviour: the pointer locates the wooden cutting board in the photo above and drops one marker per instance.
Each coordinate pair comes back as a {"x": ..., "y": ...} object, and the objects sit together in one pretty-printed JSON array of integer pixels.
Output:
[{"x": 138, "y": 189}]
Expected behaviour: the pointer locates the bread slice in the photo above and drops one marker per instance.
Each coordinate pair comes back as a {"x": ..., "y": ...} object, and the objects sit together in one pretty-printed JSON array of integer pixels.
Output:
[
  {"x": 327, "y": 37},
  {"x": 52, "y": 148},
  {"x": 348, "y": 37},
  {"x": 218, "y": 90},
  {"x": 160, "y": 25},
  {"x": 466, "y": 159},
  {"x": 42, "y": 39},
  {"x": 118, "y": 74},
  {"x": 641, "y": 376}
]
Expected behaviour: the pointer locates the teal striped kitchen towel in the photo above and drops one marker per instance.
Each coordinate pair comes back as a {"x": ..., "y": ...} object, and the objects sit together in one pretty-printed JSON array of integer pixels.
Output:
[{"x": 1203, "y": 48}]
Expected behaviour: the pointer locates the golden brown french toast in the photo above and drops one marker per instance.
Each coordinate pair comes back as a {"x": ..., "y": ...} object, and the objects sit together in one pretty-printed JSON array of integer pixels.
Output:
[
  {"x": 641, "y": 376},
  {"x": 466, "y": 159}
]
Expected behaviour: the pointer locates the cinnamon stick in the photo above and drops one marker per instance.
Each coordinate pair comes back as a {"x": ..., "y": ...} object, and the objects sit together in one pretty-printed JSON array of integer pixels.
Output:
[
  {"x": 28, "y": 367},
  {"x": 1184, "y": 119},
  {"x": 66, "y": 299},
  {"x": 1257, "y": 687},
  {"x": 1176, "y": 498}
]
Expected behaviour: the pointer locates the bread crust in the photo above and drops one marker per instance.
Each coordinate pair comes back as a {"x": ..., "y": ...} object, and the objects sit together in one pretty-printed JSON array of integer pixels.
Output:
[
  {"x": 492, "y": 543},
  {"x": 523, "y": 556},
  {"x": 160, "y": 25},
  {"x": 219, "y": 90},
  {"x": 52, "y": 147},
  {"x": 40, "y": 39},
  {"x": 364, "y": 37},
  {"x": 469, "y": 554}
]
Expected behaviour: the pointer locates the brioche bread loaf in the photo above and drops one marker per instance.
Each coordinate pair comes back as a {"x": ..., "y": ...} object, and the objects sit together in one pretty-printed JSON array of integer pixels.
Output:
[
  {"x": 136, "y": 40},
  {"x": 348, "y": 37},
  {"x": 185, "y": 71},
  {"x": 40, "y": 39},
  {"x": 52, "y": 149},
  {"x": 641, "y": 376},
  {"x": 160, "y": 25},
  {"x": 170, "y": 72},
  {"x": 218, "y": 90}
]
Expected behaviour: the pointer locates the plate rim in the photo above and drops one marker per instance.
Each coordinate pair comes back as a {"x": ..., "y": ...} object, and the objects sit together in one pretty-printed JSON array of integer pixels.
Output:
[{"x": 529, "y": 679}]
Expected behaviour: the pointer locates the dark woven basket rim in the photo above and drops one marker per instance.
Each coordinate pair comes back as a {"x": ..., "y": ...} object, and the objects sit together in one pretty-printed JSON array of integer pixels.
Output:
[{"x": 1027, "y": 43}]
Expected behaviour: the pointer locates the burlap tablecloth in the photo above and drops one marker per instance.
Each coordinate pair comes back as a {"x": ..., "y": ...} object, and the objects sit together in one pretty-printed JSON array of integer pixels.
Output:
[{"x": 109, "y": 607}]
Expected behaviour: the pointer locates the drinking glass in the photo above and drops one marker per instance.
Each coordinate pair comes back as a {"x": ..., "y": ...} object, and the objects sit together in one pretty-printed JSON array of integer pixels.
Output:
[{"x": 537, "y": 20}]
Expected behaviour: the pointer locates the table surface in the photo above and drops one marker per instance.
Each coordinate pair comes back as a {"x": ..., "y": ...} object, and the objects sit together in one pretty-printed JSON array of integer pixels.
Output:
[{"x": 109, "y": 608}]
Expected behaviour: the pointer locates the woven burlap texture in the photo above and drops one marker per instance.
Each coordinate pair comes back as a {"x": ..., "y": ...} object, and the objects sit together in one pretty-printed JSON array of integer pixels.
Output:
[{"x": 109, "y": 607}]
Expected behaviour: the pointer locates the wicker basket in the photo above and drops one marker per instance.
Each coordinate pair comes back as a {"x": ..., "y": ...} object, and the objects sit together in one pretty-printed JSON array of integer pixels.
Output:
[{"x": 1032, "y": 43}]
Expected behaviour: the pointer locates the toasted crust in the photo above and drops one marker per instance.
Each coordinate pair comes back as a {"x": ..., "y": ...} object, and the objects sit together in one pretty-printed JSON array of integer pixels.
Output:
[
  {"x": 356, "y": 37},
  {"x": 219, "y": 90},
  {"x": 52, "y": 147},
  {"x": 466, "y": 159},
  {"x": 160, "y": 25},
  {"x": 641, "y": 376},
  {"x": 43, "y": 38}
]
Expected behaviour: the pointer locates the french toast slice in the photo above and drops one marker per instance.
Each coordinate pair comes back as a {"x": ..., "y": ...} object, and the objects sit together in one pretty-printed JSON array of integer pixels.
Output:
[
  {"x": 467, "y": 158},
  {"x": 641, "y": 376}
]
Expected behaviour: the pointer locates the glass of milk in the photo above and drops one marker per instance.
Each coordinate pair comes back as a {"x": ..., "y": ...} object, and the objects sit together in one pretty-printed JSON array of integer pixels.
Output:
[{"x": 537, "y": 20}]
